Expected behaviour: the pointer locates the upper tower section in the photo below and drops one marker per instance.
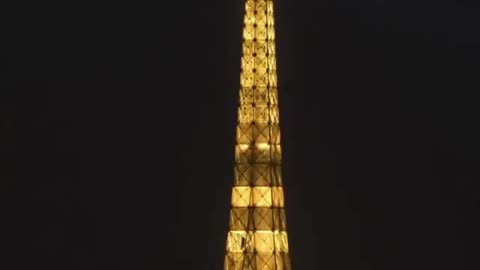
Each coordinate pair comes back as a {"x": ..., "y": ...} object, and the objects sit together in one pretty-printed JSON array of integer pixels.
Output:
[{"x": 258, "y": 81}]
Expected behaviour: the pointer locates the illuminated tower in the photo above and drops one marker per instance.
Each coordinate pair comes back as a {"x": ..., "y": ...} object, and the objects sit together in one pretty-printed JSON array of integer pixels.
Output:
[{"x": 257, "y": 237}]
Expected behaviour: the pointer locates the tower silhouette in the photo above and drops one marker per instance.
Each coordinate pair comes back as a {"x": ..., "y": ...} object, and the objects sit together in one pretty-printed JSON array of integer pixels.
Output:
[{"x": 257, "y": 237}]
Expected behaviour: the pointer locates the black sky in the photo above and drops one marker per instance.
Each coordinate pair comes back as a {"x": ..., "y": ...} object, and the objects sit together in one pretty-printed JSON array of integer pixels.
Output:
[{"x": 118, "y": 128}]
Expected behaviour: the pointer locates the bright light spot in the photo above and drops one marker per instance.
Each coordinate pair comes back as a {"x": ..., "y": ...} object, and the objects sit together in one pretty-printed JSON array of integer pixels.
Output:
[
  {"x": 262, "y": 146},
  {"x": 243, "y": 146}
]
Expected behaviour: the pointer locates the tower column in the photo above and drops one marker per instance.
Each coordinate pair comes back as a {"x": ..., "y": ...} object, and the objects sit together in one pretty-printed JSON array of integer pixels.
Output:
[{"x": 257, "y": 237}]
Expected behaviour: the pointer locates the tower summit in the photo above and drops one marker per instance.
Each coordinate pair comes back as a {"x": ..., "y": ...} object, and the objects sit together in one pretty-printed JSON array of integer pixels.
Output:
[{"x": 257, "y": 237}]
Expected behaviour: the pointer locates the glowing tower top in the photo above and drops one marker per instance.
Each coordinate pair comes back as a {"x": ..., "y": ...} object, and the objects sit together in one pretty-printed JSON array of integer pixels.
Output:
[{"x": 257, "y": 237}]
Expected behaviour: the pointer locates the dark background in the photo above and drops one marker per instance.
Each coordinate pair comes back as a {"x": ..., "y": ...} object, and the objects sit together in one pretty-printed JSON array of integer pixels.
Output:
[{"x": 118, "y": 128}]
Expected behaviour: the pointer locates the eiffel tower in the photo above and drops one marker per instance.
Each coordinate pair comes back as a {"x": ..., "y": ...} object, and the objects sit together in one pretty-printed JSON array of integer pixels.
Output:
[{"x": 257, "y": 237}]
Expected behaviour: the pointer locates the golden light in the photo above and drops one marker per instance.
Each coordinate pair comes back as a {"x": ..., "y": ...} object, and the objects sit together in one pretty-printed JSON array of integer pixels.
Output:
[
  {"x": 243, "y": 146},
  {"x": 257, "y": 237},
  {"x": 262, "y": 146}
]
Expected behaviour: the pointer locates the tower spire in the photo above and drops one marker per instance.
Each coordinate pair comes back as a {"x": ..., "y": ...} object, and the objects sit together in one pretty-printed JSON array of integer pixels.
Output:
[{"x": 257, "y": 237}]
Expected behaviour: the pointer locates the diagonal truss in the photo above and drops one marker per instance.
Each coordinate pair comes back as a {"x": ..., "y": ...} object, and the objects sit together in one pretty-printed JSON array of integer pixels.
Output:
[{"x": 257, "y": 237}]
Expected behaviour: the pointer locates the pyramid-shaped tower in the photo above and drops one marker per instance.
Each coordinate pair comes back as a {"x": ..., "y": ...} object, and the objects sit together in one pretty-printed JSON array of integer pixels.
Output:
[{"x": 257, "y": 237}]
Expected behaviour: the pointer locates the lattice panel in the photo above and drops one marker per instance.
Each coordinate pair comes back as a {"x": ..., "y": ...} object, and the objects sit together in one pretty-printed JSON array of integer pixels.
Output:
[
  {"x": 257, "y": 238},
  {"x": 258, "y": 174}
]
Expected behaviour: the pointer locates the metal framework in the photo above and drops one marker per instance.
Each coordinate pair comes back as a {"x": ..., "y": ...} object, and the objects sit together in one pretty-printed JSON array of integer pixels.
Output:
[{"x": 257, "y": 237}]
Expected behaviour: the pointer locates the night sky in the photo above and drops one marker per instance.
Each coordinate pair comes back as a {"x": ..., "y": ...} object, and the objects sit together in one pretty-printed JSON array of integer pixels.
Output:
[{"x": 118, "y": 125}]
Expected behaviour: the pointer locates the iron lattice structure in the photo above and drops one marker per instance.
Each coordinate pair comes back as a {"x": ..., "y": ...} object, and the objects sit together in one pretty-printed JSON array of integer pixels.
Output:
[{"x": 257, "y": 237}]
